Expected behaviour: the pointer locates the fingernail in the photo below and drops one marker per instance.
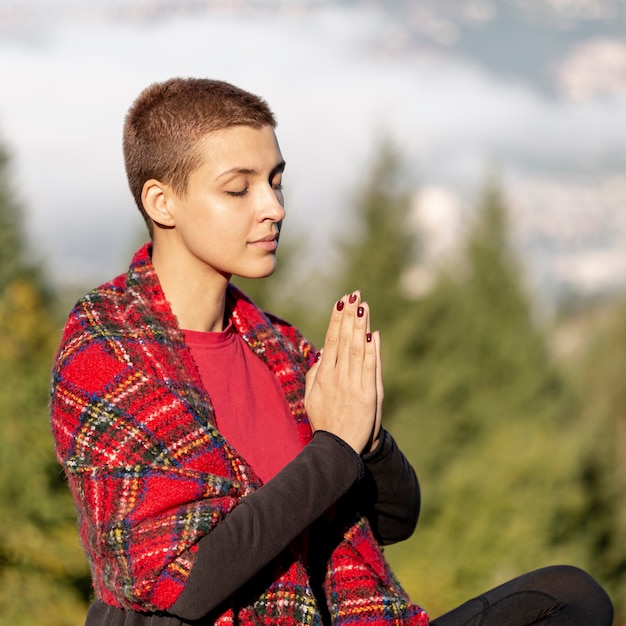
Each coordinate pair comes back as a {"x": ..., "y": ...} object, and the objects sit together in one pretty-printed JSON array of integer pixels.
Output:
[
  {"x": 340, "y": 305},
  {"x": 318, "y": 356},
  {"x": 368, "y": 337},
  {"x": 360, "y": 312},
  {"x": 352, "y": 298}
]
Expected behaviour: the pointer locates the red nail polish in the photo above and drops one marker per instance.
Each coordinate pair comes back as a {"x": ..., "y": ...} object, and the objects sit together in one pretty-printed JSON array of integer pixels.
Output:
[
  {"x": 318, "y": 356},
  {"x": 368, "y": 337},
  {"x": 340, "y": 305},
  {"x": 360, "y": 311},
  {"x": 352, "y": 298}
]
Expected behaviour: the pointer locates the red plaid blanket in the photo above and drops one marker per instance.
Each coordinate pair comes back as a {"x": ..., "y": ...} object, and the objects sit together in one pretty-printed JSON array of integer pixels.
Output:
[{"x": 151, "y": 474}]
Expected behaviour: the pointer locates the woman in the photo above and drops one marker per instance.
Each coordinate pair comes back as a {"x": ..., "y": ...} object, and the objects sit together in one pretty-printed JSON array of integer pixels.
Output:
[{"x": 224, "y": 471}]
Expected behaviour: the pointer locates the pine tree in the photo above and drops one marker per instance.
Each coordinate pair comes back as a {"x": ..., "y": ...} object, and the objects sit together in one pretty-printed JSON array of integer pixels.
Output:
[
  {"x": 599, "y": 519},
  {"x": 483, "y": 421},
  {"x": 11, "y": 227},
  {"x": 42, "y": 569},
  {"x": 479, "y": 349},
  {"x": 380, "y": 247}
]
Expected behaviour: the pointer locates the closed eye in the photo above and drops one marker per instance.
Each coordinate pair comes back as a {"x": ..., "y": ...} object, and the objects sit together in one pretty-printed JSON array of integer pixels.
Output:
[
  {"x": 276, "y": 176},
  {"x": 238, "y": 194}
]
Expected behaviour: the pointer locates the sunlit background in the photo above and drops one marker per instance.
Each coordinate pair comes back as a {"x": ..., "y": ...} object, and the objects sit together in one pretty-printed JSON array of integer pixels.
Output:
[
  {"x": 421, "y": 138},
  {"x": 533, "y": 89}
]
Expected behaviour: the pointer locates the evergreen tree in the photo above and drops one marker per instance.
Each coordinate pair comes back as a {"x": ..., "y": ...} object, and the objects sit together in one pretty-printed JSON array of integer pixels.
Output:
[
  {"x": 379, "y": 250},
  {"x": 479, "y": 351},
  {"x": 42, "y": 569},
  {"x": 11, "y": 227},
  {"x": 380, "y": 246},
  {"x": 483, "y": 422},
  {"x": 599, "y": 519}
]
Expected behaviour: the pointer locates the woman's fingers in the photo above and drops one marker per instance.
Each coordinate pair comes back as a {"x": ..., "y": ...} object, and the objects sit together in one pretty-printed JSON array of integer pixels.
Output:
[
  {"x": 341, "y": 387},
  {"x": 346, "y": 343},
  {"x": 357, "y": 327},
  {"x": 331, "y": 340},
  {"x": 380, "y": 390},
  {"x": 310, "y": 376},
  {"x": 348, "y": 316}
]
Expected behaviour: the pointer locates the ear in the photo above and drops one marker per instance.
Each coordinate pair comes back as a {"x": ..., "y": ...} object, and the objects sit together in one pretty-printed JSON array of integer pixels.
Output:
[{"x": 155, "y": 197}]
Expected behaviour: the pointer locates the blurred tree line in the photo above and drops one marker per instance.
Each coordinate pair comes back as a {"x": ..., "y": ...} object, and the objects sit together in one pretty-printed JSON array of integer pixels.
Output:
[
  {"x": 43, "y": 575},
  {"x": 517, "y": 448}
]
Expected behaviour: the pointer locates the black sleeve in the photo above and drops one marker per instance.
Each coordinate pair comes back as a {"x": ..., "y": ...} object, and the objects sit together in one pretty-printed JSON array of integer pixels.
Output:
[
  {"x": 391, "y": 490},
  {"x": 264, "y": 523}
]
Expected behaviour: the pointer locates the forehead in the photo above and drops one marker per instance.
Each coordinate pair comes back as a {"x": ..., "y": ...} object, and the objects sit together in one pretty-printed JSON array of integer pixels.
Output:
[{"x": 239, "y": 147}]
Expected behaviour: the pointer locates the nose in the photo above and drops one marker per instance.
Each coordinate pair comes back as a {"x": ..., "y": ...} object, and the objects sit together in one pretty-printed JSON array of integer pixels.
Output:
[{"x": 271, "y": 205}]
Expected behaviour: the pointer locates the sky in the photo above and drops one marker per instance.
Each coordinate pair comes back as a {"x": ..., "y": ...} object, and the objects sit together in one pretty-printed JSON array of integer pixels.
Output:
[{"x": 338, "y": 76}]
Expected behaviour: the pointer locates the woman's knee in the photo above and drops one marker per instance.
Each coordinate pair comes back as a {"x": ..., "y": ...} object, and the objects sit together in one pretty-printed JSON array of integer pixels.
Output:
[{"x": 577, "y": 589}]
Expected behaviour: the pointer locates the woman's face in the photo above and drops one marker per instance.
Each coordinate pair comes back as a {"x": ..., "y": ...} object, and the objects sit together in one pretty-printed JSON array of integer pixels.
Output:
[{"x": 229, "y": 220}]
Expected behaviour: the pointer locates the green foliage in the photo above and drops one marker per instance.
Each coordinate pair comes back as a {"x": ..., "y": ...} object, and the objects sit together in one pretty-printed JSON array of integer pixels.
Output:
[
  {"x": 481, "y": 356},
  {"x": 380, "y": 247},
  {"x": 483, "y": 418},
  {"x": 11, "y": 235},
  {"x": 378, "y": 251},
  {"x": 472, "y": 395},
  {"x": 41, "y": 565},
  {"x": 599, "y": 521}
]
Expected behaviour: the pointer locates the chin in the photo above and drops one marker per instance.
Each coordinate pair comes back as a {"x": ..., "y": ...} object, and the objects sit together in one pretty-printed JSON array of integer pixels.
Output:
[{"x": 259, "y": 274}]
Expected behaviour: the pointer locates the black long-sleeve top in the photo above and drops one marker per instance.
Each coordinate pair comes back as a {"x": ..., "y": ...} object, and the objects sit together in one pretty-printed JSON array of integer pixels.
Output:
[{"x": 326, "y": 481}]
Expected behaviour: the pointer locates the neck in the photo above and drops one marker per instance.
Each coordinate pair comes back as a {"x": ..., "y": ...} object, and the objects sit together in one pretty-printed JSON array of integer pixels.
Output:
[{"x": 197, "y": 297}]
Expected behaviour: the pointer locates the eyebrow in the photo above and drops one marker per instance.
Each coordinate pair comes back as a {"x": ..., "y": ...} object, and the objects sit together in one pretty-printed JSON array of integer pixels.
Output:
[{"x": 279, "y": 167}]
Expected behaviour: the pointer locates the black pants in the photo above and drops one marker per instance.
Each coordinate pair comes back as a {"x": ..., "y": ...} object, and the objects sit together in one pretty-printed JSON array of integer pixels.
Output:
[{"x": 559, "y": 596}]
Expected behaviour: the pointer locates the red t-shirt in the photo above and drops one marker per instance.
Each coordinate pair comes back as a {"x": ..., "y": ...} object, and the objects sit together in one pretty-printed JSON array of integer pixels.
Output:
[{"x": 250, "y": 408}]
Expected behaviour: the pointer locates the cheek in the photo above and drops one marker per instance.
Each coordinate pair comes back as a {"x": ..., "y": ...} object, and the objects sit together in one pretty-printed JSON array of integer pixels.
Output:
[
  {"x": 226, "y": 232},
  {"x": 217, "y": 223}
]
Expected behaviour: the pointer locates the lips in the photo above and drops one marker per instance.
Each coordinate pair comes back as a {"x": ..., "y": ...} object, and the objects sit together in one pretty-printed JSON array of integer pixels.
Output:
[
  {"x": 272, "y": 237},
  {"x": 270, "y": 242}
]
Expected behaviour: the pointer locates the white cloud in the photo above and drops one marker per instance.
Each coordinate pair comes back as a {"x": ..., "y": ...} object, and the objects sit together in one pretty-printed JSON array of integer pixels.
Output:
[{"x": 66, "y": 85}]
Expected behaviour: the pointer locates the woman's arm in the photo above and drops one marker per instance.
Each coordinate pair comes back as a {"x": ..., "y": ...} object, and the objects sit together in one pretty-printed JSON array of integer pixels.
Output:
[
  {"x": 391, "y": 489},
  {"x": 264, "y": 523}
]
